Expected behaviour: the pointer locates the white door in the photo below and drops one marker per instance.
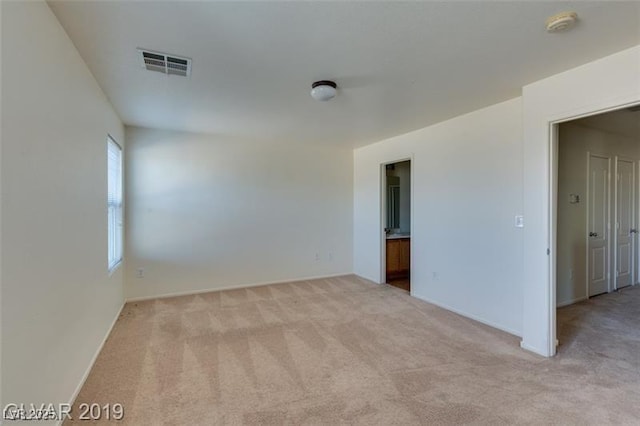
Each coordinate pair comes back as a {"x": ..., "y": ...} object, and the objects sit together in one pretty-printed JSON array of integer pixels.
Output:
[
  {"x": 625, "y": 223},
  {"x": 598, "y": 225}
]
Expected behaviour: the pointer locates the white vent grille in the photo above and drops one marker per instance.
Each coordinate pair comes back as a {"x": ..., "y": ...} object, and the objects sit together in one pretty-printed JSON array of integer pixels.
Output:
[{"x": 164, "y": 63}]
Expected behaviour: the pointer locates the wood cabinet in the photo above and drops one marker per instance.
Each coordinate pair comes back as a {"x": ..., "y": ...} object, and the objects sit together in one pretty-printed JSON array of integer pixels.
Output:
[{"x": 398, "y": 258}]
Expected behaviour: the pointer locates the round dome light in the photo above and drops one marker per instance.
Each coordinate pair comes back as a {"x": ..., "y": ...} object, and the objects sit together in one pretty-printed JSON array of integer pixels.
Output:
[{"x": 323, "y": 90}]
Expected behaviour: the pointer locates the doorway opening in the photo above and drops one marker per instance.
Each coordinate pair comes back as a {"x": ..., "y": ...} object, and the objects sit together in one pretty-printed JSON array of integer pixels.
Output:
[
  {"x": 397, "y": 223},
  {"x": 597, "y": 211}
]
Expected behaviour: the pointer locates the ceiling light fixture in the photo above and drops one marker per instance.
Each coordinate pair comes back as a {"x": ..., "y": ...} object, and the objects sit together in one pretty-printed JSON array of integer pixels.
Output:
[
  {"x": 323, "y": 90},
  {"x": 561, "y": 22}
]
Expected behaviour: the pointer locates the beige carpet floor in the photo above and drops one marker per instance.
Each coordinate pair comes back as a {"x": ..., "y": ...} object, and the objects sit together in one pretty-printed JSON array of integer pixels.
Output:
[{"x": 346, "y": 351}]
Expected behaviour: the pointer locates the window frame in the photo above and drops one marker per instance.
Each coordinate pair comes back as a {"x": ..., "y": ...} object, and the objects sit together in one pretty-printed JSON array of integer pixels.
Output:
[{"x": 118, "y": 210}]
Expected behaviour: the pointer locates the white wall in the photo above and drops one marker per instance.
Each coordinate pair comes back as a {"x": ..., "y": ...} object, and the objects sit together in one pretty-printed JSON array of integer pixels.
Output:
[
  {"x": 597, "y": 86},
  {"x": 575, "y": 142},
  {"x": 466, "y": 190},
  {"x": 207, "y": 212},
  {"x": 58, "y": 301}
]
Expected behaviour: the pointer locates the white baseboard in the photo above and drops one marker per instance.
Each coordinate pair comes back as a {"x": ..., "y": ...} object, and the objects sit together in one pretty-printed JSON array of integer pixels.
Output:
[
  {"x": 571, "y": 302},
  {"x": 232, "y": 287},
  {"x": 529, "y": 348},
  {"x": 470, "y": 316},
  {"x": 93, "y": 361}
]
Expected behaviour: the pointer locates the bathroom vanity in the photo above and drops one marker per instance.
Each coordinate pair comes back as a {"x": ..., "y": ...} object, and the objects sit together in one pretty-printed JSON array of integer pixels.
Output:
[{"x": 398, "y": 256}]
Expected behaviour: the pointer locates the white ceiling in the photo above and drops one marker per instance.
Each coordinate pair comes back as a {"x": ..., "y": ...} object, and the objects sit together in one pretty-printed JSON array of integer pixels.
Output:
[
  {"x": 399, "y": 65},
  {"x": 624, "y": 122}
]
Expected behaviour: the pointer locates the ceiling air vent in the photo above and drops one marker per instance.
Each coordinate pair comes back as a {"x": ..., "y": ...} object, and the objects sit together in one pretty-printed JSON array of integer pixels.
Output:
[{"x": 164, "y": 63}]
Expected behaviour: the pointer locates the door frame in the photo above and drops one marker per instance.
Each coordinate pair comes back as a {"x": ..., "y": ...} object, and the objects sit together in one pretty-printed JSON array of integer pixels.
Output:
[
  {"x": 552, "y": 211},
  {"x": 634, "y": 203},
  {"x": 383, "y": 216},
  {"x": 608, "y": 83},
  {"x": 611, "y": 259}
]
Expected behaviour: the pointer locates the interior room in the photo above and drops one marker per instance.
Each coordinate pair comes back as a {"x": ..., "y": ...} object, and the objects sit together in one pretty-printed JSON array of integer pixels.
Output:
[
  {"x": 319, "y": 212},
  {"x": 597, "y": 204},
  {"x": 597, "y": 219}
]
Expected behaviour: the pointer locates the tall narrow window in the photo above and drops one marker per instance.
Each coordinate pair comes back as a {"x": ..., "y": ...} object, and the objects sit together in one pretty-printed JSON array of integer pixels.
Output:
[{"x": 114, "y": 202}]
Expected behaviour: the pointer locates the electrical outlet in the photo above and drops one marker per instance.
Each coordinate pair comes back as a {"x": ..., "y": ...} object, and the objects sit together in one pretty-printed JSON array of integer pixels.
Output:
[
  {"x": 519, "y": 221},
  {"x": 317, "y": 257},
  {"x": 140, "y": 273},
  {"x": 330, "y": 256}
]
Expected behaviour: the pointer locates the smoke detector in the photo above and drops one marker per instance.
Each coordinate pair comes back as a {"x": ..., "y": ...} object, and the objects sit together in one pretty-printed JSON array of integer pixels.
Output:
[
  {"x": 165, "y": 63},
  {"x": 561, "y": 22}
]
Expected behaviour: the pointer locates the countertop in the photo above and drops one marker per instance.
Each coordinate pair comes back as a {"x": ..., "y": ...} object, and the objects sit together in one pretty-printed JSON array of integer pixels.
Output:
[{"x": 397, "y": 236}]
